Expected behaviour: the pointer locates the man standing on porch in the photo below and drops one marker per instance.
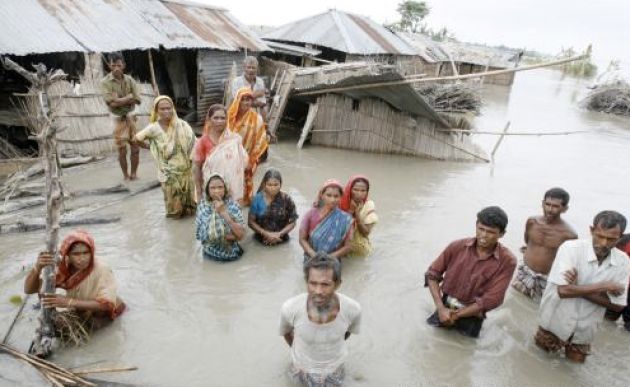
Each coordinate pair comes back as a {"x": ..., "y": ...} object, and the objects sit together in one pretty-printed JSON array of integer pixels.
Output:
[
  {"x": 120, "y": 93},
  {"x": 251, "y": 80}
]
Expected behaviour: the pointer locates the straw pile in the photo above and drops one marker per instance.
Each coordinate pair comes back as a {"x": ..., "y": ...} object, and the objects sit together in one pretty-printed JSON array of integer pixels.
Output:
[
  {"x": 452, "y": 98},
  {"x": 612, "y": 97},
  {"x": 455, "y": 103}
]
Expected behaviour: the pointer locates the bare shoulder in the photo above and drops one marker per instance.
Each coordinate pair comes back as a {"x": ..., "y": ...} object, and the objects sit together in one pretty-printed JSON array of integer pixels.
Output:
[{"x": 568, "y": 230}]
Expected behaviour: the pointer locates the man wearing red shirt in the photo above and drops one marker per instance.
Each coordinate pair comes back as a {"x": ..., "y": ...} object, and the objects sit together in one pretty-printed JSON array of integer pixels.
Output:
[{"x": 471, "y": 275}]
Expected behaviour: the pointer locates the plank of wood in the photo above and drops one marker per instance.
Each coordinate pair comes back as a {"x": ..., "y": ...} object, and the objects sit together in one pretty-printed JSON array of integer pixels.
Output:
[
  {"x": 277, "y": 109},
  {"x": 308, "y": 125}
]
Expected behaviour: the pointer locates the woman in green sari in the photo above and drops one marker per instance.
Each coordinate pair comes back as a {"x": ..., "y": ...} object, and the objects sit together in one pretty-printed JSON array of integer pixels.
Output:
[{"x": 171, "y": 141}]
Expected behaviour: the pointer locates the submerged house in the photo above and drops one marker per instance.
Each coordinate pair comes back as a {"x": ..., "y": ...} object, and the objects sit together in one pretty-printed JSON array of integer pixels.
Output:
[
  {"x": 360, "y": 106},
  {"x": 472, "y": 58},
  {"x": 346, "y": 37},
  {"x": 183, "y": 49}
]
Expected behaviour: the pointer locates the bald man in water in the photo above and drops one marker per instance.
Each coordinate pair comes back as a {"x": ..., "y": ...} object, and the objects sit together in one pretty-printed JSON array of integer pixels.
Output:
[{"x": 543, "y": 236}]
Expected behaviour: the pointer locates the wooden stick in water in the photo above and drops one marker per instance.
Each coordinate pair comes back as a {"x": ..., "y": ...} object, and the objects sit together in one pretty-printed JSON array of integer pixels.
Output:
[{"x": 105, "y": 370}]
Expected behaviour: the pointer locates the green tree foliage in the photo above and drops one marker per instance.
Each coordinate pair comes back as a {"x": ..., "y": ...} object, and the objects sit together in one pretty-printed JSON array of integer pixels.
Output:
[{"x": 412, "y": 13}]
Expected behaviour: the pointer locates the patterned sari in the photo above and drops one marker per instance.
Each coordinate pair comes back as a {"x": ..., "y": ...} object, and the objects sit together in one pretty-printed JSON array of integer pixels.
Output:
[
  {"x": 171, "y": 149},
  {"x": 275, "y": 216},
  {"x": 212, "y": 229},
  {"x": 331, "y": 231},
  {"x": 360, "y": 244},
  {"x": 251, "y": 128},
  {"x": 227, "y": 158}
]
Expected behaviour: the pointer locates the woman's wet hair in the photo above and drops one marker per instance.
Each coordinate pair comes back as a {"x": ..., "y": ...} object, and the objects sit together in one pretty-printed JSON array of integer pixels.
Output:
[
  {"x": 271, "y": 173},
  {"x": 323, "y": 261},
  {"x": 610, "y": 219},
  {"x": 493, "y": 216},
  {"x": 558, "y": 193},
  {"x": 215, "y": 108}
]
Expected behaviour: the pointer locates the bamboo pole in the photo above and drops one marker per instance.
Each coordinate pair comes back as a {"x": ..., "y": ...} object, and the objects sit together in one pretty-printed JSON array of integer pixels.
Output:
[
  {"x": 449, "y": 78},
  {"x": 512, "y": 133},
  {"x": 156, "y": 90},
  {"x": 105, "y": 370},
  {"x": 496, "y": 146}
]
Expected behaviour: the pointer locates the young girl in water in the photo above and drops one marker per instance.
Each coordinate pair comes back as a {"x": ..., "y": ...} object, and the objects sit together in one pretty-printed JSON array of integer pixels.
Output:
[
  {"x": 325, "y": 228},
  {"x": 219, "y": 222},
  {"x": 355, "y": 202},
  {"x": 272, "y": 214}
]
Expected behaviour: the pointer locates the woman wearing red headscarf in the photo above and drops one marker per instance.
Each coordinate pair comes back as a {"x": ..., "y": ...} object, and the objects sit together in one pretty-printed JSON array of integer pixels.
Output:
[
  {"x": 89, "y": 284},
  {"x": 325, "y": 228},
  {"x": 355, "y": 202}
]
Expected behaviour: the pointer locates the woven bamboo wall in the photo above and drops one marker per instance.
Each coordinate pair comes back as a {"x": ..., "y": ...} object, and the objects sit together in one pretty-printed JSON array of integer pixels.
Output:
[
  {"x": 85, "y": 119},
  {"x": 464, "y": 68},
  {"x": 373, "y": 126}
]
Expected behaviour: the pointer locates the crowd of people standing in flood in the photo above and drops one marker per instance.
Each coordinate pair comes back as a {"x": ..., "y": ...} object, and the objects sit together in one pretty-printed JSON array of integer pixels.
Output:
[{"x": 577, "y": 282}]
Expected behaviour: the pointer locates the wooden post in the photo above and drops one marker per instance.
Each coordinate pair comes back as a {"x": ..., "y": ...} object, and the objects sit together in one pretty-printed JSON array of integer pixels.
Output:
[
  {"x": 156, "y": 90},
  {"x": 310, "y": 119},
  {"x": 45, "y": 132},
  {"x": 496, "y": 146}
]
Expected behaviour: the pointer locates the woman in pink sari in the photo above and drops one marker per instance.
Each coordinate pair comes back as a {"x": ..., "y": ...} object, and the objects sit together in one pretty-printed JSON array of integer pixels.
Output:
[{"x": 219, "y": 151}]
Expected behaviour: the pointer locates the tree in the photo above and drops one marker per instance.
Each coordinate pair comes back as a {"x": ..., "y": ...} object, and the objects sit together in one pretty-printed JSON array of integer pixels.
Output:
[{"x": 412, "y": 13}]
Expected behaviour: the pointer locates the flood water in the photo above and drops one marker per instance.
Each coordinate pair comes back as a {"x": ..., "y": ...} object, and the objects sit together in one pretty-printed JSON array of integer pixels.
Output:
[{"x": 192, "y": 322}]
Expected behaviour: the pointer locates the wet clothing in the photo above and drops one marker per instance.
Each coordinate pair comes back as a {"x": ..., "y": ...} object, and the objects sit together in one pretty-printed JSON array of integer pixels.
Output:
[
  {"x": 127, "y": 85},
  {"x": 625, "y": 313},
  {"x": 212, "y": 229},
  {"x": 578, "y": 318},
  {"x": 360, "y": 244},
  {"x": 319, "y": 350},
  {"x": 529, "y": 282},
  {"x": 275, "y": 216},
  {"x": 549, "y": 342},
  {"x": 172, "y": 148},
  {"x": 467, "y": 326},
  {"x": 95, "y": 283},
  {"x": 328, "y": 234},
  {"x": 470, "y": 278},
  {"x": 228, "y": 158},
  {"x": 251, "y": 128}
]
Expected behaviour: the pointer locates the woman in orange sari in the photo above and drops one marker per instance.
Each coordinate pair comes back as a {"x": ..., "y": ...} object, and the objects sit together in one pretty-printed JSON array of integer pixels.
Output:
[{"x": 244, "y": 120}]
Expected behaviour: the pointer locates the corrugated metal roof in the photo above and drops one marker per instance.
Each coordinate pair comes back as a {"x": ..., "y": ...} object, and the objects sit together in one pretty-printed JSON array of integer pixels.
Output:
[
  {"x": 427, "y": 48},
  {"x": 43, "y": 26},
  {"x": 27, "y": 28},
  {"x": 345, "y": 32},
  {"x": 217, "y": 27},
  {"x": 104, "y": 25},
  {"x": 292, "y": 49},
  {"x": 480, "y": 55}
]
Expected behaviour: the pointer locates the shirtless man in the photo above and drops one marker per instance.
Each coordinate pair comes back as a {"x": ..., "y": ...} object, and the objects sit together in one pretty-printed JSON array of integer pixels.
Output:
[{"x": 543, "y": 236}]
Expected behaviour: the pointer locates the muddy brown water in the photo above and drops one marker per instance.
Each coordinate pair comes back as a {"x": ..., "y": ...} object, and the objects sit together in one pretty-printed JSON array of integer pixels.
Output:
[{"x": 192, "y": 322}]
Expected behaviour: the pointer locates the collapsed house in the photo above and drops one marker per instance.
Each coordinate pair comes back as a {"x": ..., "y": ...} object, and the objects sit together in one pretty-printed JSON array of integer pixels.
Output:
[
  {"x": 471, "y": 58},
  {"x": 183, "y": 49},
  {"x": 368, "y": 107}
]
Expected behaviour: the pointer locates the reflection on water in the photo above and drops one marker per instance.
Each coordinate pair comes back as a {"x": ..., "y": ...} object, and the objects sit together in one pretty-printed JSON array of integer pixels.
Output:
[{"x": 195, "y": 323}]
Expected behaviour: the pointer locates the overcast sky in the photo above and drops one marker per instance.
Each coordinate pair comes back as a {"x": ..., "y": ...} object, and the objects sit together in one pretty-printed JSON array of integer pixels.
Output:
[{"x": 543, "y": 25}]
